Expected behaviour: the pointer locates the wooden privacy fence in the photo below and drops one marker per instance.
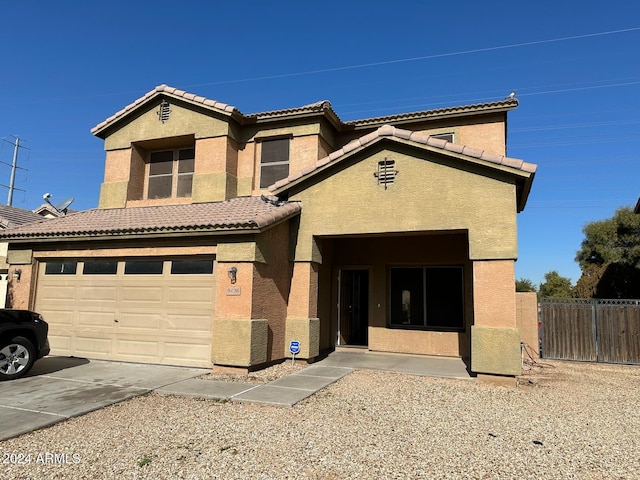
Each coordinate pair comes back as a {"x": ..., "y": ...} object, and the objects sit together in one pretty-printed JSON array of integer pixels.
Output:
[{"x": 593, "y": 330}]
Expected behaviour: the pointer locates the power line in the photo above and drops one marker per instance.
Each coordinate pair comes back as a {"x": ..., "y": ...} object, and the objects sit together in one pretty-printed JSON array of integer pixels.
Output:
[{"x": 424, "y": 57}]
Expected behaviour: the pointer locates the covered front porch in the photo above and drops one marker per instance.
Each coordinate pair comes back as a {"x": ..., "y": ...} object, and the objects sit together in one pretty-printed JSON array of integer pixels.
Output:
[{"x": 401, "y": 293}]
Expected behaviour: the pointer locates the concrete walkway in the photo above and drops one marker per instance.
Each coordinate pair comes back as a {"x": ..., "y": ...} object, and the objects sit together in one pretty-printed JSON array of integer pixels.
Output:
[{"x": 289, "y": 390}]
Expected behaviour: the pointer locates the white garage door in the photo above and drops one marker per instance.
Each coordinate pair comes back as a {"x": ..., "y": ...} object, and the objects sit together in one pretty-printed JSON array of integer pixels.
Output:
[{"x": 139, "y": 310}]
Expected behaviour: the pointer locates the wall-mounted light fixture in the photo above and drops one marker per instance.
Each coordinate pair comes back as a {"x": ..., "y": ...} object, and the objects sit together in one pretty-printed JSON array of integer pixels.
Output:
[
  {"x": 17, "y": 273},
  {"x": 233, "y": 272}
]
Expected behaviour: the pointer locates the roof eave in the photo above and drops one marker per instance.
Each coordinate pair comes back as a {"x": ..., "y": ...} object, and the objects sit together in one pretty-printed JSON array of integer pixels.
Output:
[{"x": 438, "y": 114}]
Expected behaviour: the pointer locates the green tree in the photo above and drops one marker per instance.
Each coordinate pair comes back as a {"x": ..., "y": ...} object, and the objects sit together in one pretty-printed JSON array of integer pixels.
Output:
[
  {"x": 525, "y": 285},
  {"x": 555, "y": 285},
  {"x": 615, "y": 240},
  {"x": 610, "y": 257}
]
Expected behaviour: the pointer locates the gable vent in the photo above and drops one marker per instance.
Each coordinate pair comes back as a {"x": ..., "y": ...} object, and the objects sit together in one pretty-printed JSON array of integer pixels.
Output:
[
  {"x": 386, "y": 173},
  {"x": 164, "y": 111}
]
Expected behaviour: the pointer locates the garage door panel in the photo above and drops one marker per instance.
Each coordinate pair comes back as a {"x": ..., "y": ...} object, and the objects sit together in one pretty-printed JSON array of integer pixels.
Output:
[
  {"x": 136, "y": 347},
  {"x": 59, "y": 293},
  {"x": 129, "y": 322},
  {"x": 189, "y": 324},
  {"x": 97, "y": 292},
  {"x": 91, "y": 346},
  {"x": 198, "y": 296},
  {"x": 60, "y": 344},
  {"x": 144, "y": 294},
  {"x": 186, "y": 352},
  {"x": 95, "y": 319},
  {"x": 148, "y": 318}
]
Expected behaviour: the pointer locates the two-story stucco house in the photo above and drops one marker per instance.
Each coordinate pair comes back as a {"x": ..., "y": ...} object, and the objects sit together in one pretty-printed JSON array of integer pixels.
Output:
[{"x": 220, "y": 237}]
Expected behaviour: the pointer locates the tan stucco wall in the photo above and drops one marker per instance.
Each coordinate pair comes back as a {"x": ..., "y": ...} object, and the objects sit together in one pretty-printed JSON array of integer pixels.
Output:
[
  {"x": 495, "y": 338},
  {"x": 182, "y": 121},
  {"x": 239, "y": 342},
  {"x": 527, "y": 319},
  {"x": 495, "y": 351},
  {"x": 494, "y": 293},
  {"x": 485, "y": 136},
  {"x": 427, "y": 196},
  {"x": 419, "y": 342}
]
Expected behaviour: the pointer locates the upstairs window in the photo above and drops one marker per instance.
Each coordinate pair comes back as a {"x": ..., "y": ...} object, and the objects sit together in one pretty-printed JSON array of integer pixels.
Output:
[
  {"x": 170, "y": 173},
  {"x": 274, "y": 161}
]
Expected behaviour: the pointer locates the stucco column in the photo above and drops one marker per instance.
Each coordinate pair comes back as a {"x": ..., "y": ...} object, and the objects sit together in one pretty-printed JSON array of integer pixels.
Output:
[
  {"x": 495, "y": 339},
  {"x": 303, "y": 324},
  {"x": 238, "y": 340}
]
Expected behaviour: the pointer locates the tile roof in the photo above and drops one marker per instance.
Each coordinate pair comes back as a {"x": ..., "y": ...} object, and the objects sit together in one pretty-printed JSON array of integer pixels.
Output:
[
  {"x": 507, "y": 104},
  {"x": 245, "y": 214},
  {"x": 323, "y": 106},
  {"x": 13, "y": 216},
  {"x": 170, "y": 91},
  {"x": 389, "y": 131}
]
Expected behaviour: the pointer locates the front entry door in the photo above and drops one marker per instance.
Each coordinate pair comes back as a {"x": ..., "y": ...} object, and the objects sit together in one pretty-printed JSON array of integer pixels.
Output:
[{"x": 353, "y": 314}]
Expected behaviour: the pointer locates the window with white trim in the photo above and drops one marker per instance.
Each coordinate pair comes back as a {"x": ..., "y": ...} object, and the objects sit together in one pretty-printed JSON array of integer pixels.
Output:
[{"x": 170, "y": 173}]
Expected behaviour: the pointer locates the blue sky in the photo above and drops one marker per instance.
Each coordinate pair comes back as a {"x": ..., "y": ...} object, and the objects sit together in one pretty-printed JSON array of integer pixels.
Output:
[{"x": 68, "y": 65}]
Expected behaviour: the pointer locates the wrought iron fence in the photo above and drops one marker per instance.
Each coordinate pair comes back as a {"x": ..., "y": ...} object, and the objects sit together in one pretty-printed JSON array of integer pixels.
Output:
[{"x": 595, "y": 330}]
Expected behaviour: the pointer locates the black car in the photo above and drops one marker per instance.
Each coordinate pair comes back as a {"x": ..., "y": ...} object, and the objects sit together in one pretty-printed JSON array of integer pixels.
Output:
[{"x": 23, "y": 340}]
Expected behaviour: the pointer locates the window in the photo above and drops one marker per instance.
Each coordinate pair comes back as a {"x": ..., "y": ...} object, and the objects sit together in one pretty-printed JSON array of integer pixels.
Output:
[
  {"x": 427, "y": 297},
  {"x": 60, "y": 268},
  {"x": 274, "y": 161},
  {"x": 143, "y": 267},
  {"x": 100, "y": 267},
  {"x": 192, "y": 267},
  {"x": 171, "y": 173}
]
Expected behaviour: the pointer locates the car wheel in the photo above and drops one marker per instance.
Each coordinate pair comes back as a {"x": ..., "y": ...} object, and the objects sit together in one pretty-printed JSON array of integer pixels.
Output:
[{"x": 16, "y": 358}]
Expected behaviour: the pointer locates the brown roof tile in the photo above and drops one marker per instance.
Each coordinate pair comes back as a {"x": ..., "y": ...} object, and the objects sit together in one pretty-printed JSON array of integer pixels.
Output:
[
  {"x": 13, "y": 216},
  {"x": 236, "y": 215},
  {"x": 395, "y": 132},
  {"x": 438, "y": 112}
]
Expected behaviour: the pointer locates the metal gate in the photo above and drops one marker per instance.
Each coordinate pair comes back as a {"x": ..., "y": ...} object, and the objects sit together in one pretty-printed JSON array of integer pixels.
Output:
[{"x": 593, "y": 330}]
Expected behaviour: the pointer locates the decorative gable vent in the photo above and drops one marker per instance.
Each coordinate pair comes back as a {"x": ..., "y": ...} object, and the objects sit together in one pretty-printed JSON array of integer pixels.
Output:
[
  {"x": 164, "y": 111},
  {"x": 386, "y": 173}
]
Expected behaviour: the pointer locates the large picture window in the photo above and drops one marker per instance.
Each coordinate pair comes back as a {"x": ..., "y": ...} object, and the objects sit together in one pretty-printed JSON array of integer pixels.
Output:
[
  {"x": 427, "y": 297},
  {"x": 171, "y": 173},
  {"x": 274, "y": 161}
]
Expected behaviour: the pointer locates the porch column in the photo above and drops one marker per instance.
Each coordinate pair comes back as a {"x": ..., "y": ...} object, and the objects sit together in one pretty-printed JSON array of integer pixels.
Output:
[
  {"x": 495, "y": 339},
  {"x": 303, "y": 324},
  {"x": 239, "y": 340}
]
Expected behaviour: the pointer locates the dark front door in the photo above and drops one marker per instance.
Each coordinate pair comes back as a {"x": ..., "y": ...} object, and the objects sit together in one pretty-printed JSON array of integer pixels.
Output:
[{"x": 354, "y": 307}]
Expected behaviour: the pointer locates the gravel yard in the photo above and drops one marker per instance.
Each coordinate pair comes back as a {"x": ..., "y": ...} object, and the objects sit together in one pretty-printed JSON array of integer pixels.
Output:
[{"x": 565, "y": 421}]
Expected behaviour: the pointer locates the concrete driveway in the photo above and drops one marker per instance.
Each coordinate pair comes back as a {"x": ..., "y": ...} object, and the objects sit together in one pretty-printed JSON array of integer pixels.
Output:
[{"x": 58, "y": 388}]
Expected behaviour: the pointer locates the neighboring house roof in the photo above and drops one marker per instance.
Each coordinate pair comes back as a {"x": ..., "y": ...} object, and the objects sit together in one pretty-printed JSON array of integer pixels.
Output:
[
  {"x": 239, "y": 215},
  {"x": 419, "y": 139},
  {"x": 322, "y": 107},
  {"x": 13, "y": 216},
  {"x": 47, "y": 210}
]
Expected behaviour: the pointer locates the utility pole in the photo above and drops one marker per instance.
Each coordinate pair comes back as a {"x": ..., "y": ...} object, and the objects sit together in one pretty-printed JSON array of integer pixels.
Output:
[{"x": 14, "y": 167}]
